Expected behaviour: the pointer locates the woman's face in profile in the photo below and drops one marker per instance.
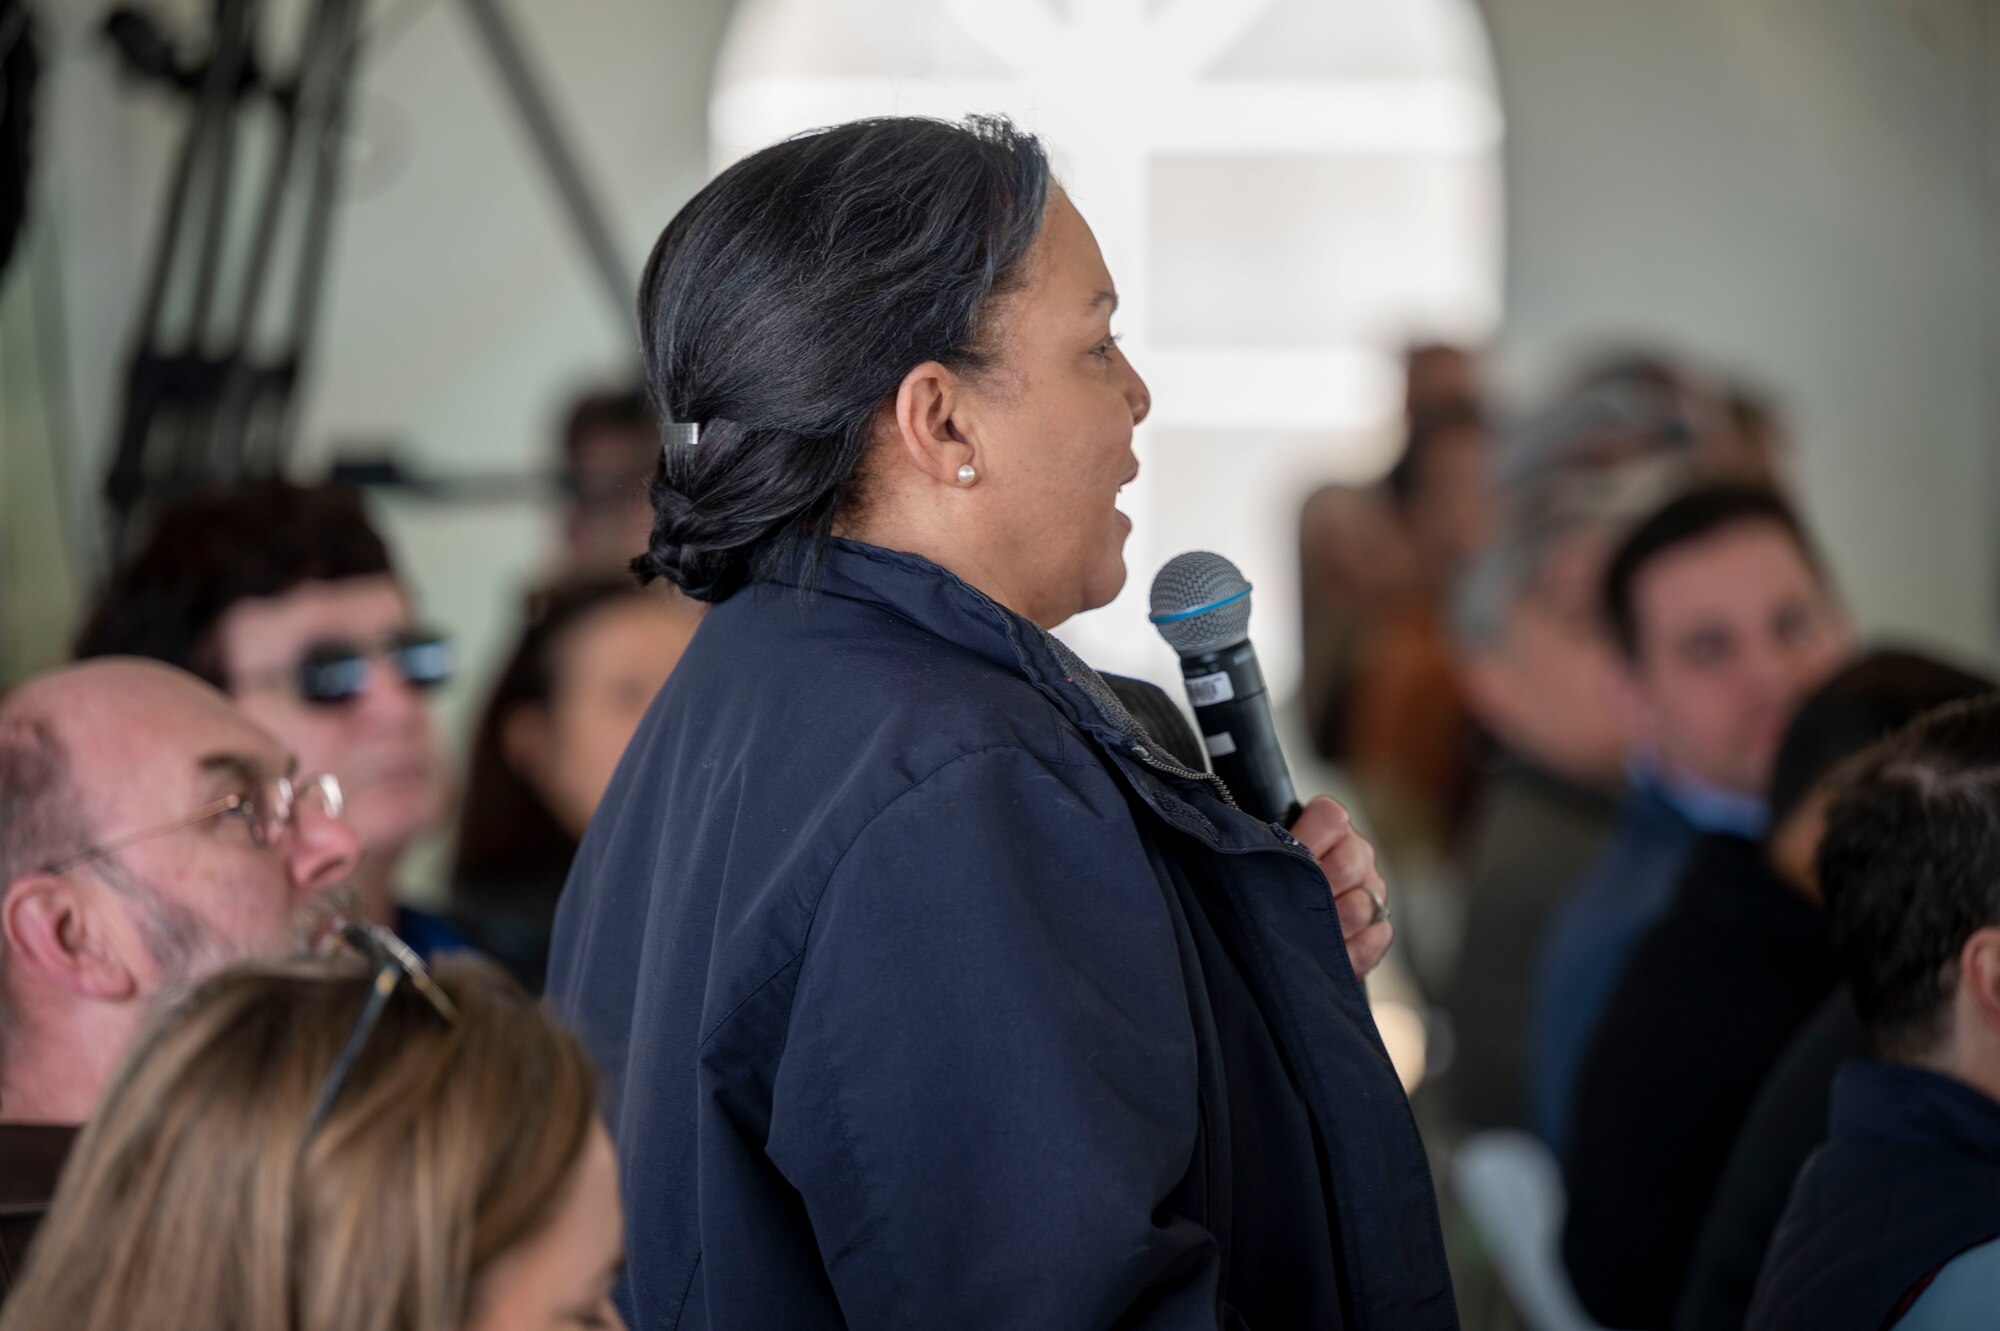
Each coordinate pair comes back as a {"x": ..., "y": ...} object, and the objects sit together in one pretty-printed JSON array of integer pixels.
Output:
[
  {"x": 609, "y": 665},
  {"x": 1053, "y": 441},
  {"x": 560, "y": 1280}
]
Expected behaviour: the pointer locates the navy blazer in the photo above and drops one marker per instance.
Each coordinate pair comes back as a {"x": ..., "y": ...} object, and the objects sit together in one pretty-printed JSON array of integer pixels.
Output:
[{"x": 932, "y": 994}]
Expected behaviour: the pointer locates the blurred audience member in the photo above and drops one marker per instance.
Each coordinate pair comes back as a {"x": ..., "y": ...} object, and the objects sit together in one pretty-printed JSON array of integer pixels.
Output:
[
  {"x": 1355, "y": 560},
  {"x": 1634, "y": 409},
  {"x": 1440, "y": 379},
  {"x": 1409, "y": 742},
  {"x": 587, "y": 666},
  {"x": 1536, "y": 668},
  {"x": 285, "y": 597},
  {"x": 1358, "y": 555},
  {"x": 1723, "y": 620},
  {"x": 1754, "y": 444},
  {"x": 1896, "y": 1220},
  {"x": 149, "y": 834},
  {"x": 1786, "y": 1123},
  {"x": 1639, "y": 404},
  {"x": 1442, "y": 490},
  {"x": 611, "y": 443},
  {"x": 1709, "y": 999},
  {"x": 246, "y": 1169}
]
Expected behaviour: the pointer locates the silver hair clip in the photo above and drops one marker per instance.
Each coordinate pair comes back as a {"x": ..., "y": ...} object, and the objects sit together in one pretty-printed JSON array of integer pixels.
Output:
[{"x": 683, "y": 435}]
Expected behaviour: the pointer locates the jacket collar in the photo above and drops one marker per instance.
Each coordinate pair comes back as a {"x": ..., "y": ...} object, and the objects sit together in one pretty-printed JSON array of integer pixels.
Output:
[
  {"x": 939, "y": 601},
  {"x": 1889, "y": 1103}
]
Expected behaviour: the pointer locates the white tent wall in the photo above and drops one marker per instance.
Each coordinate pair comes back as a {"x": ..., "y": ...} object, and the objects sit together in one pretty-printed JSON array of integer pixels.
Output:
[{"x": 1806, "y": 192}]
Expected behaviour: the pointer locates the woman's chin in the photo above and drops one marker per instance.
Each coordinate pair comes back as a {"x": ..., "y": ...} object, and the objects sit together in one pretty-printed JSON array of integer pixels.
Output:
[
  {"x": 1096, "y": 584},
  {"x": 1105, "y": 586}
]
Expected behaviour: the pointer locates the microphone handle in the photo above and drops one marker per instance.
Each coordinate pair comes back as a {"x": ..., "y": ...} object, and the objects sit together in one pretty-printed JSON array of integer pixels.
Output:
[{"x": 1233, "y": 713}]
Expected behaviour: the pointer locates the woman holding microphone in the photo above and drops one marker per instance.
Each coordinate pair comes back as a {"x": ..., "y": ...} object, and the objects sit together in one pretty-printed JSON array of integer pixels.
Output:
[{"x": 933, "y": 993}]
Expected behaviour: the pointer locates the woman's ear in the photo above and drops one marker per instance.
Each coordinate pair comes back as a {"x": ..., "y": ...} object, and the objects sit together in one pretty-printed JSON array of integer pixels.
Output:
[
  {"x": 64, "y": 935},
  {"x": 931, "y": 438}
]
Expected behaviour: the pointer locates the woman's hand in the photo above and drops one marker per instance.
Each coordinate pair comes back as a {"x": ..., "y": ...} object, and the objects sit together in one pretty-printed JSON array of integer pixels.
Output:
[{"x": 1360, "y": 897}]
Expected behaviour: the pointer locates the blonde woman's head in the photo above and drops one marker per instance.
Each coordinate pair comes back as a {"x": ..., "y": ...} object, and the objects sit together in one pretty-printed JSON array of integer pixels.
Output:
[{"x": 460, "y": 1180}]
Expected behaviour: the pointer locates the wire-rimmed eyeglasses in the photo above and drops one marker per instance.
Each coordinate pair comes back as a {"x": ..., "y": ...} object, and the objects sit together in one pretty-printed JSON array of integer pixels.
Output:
[
  {"x": 394, "y": 963},
  {"x": 269, "y": 807}
]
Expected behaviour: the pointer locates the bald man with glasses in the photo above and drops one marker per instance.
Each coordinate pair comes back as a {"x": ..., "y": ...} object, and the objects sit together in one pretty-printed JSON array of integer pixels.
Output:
[
  {"x": 285, "y": 597},
  {"x": 150, "y": 834}
]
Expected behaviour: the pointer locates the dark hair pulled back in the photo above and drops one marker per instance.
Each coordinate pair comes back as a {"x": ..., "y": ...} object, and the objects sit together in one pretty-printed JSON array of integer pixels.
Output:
[{"x": 786, "y": 302}]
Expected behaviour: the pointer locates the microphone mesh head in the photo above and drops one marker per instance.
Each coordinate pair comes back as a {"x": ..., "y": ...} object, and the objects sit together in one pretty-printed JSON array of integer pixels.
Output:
[{"x": 1214, "y": 591}]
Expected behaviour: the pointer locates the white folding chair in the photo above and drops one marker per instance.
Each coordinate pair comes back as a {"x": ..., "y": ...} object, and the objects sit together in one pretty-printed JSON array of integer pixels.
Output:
[{"x": 1512, "y": 1189}]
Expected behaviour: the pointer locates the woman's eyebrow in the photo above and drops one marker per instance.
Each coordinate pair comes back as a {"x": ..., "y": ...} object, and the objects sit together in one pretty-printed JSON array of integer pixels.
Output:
[{"x": 1105, "y": 298}]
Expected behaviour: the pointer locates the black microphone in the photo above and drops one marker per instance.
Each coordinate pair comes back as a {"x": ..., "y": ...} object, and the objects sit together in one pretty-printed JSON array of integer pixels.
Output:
[{"x": 1201, "y": 605}]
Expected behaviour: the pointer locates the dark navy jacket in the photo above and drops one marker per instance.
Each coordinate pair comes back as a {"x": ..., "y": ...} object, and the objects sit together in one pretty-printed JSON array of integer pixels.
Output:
[
  {"x": 1590, "y": 936},
  {"x": 1908, "y": 1180},
  {"x": 931, "y": 994}
]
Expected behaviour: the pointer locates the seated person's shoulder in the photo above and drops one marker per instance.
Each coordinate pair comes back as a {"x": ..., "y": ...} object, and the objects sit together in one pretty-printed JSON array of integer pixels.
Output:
[
  {"x": 429, "y": 933},
  {"x": 1964, "y": 1293}
]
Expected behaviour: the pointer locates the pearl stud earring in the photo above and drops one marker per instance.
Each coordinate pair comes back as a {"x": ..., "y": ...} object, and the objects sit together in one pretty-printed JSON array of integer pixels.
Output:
[{"x": 967, "y": 474}]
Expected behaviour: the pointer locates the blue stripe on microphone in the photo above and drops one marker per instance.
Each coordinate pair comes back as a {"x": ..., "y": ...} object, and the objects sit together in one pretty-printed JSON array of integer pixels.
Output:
[{"x": 1179, "y": 615}]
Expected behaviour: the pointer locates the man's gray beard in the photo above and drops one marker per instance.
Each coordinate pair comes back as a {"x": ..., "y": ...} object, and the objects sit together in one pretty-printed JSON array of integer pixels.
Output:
[
  {"x": 316, "y": 917},
  {"x": 187, "y": 951}
]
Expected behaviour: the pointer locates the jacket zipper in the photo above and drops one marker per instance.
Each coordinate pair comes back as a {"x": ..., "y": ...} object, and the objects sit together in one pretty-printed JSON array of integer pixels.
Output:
[{"x": 1144, "y": 753}]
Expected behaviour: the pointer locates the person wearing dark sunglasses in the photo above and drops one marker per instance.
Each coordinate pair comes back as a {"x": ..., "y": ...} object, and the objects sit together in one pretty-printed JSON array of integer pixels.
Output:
[
  {"x": 285, "y": 596},
  {"x": 150, "y": 833}
]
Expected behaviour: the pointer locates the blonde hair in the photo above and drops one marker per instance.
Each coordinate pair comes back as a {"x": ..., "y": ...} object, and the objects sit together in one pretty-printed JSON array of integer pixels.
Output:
[{"x": 196, "y": 1198}]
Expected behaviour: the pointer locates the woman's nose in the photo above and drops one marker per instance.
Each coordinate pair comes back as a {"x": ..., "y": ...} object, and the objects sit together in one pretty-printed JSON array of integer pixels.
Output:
[{"x": 1138, "y": 395}]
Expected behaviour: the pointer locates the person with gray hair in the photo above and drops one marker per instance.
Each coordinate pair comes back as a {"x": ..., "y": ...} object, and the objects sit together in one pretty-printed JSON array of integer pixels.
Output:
[
  {"x": 1534, "y": 663},
  {"x": 150, "y": 833}
]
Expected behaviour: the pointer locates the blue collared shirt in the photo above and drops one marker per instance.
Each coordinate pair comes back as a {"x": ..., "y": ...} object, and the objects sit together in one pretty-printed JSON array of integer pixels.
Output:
[
  {"x": 1709, "y": 807},
  {"x": 1621, "y": 895}
]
